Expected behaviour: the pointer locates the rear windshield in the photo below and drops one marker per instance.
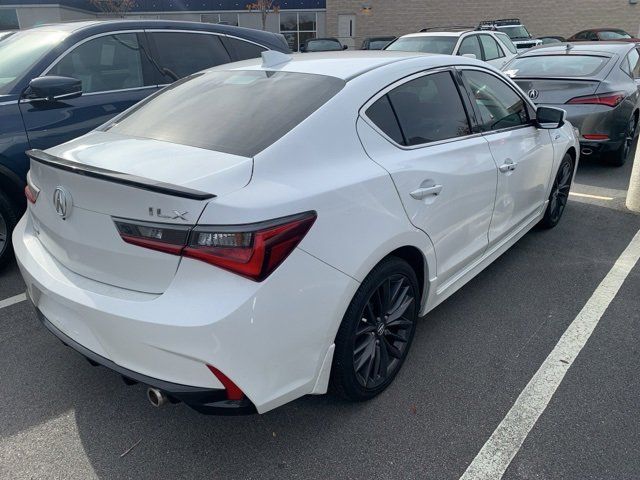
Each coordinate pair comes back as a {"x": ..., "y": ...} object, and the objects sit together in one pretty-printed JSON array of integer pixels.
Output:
[
  {"x": 237, "y": 112},
  {"x": 613, "y": 35},
  {"x": 426, "y": 44},
  {"x": 556, "y": 66}
]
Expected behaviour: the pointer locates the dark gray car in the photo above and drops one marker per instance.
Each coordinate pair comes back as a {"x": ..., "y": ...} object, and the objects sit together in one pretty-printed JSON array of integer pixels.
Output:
[{"x": 596, "y": 83}]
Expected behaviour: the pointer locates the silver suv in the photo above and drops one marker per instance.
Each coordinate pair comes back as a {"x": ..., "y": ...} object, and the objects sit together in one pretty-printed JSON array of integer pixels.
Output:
[{"x": 513, "y": 27}]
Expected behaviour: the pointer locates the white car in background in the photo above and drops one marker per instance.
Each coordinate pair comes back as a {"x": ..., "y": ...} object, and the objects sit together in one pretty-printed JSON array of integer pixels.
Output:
[
  {"x": 261, "y": 231},
  {"x": 495, "y": 48}
]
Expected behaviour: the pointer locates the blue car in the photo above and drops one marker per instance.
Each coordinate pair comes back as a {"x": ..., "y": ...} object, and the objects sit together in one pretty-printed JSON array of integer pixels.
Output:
[{"x": 60, "y": 81}]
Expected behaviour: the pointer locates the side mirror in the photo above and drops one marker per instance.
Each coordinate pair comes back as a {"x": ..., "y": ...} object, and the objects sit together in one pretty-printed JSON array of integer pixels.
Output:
[
  {"x": 470, "y": 55},
  {"x": 344, "y": 47},
  {"x": 550, "y": 118},
  {"x": 52, "y": 89}
]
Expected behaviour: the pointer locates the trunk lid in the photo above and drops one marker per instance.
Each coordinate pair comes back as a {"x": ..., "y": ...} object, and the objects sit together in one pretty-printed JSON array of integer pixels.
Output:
[
  {"x": 103, "y": 176},
  {"x": 556, "y": 91}
]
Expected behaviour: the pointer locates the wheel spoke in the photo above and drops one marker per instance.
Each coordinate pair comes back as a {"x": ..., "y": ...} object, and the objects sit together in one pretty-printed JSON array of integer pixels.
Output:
[
  {"x": 395, "y": 336},
  {"x": 392, "y": 349},
  {"x": 400, "y": 323},
  {"x": 383, "y": 368},
  {"x": 365, "y": 328},
  {"x": 365, "y": 355},
  {"x": 398, "y": 312}
]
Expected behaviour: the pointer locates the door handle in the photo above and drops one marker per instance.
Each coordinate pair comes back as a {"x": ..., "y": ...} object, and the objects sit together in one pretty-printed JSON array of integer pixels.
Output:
[
  {"x": 424, "y": 192},
  {"x": 508, "y": 166}
]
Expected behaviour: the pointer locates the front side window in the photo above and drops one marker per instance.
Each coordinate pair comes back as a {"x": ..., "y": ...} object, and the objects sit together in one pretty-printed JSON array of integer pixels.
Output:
[
  {"x": 498, "y": 104},
  {"x": 236, "y": 112},
  {"x": 427, "y": 109},
  {"x": 21, "y": 51},
  {"x": 491, "y": 48},
  {"x": 180, "y": 54},
  {"x": 424, "y": 44},
  {"x": 470, "y": 46},
  {"x": 106, "y": 63}
]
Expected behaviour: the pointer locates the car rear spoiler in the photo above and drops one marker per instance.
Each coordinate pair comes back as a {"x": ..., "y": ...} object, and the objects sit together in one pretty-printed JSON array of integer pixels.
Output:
[{"x": 117, "y": 177}]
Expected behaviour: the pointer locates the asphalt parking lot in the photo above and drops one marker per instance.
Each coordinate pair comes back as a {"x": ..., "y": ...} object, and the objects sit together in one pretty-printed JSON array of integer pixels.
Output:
[{"x": 471, "y": 359}]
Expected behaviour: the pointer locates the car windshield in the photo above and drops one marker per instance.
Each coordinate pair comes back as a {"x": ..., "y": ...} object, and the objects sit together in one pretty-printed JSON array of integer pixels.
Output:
[
  {"x": 236, "y": 112},
  {"x": 425, "y": 44},
  {"x": 20, "y": 51},
  {"x": 556, "y": 66},
  {"x": 516, "y": 32},
  {"x": 614, "y": 35},
  {"x": 323, "y": 45}
]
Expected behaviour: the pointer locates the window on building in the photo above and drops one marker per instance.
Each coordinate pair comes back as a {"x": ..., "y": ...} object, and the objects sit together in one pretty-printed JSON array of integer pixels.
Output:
[
  {"x": 298, "y": 27},
  {"x": 224, "y": 18}
]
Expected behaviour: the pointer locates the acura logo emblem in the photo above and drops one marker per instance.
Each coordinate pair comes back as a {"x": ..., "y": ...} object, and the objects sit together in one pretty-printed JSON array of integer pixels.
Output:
[
  {"x": 533, "y": 94},
  {"x": 62, "y": 202}
]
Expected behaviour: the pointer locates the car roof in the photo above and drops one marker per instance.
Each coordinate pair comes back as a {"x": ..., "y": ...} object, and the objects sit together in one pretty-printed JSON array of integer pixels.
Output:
[
  {"x": 582, "y": 47},
  {"x": 100, "y": 26},
  {"x": 347, "y": 65},
  {"x": 437, "y": 34}
]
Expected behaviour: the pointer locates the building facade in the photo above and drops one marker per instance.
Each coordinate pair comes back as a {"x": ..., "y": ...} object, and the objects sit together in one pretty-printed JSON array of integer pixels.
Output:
[
  {"x": 353, "y": 20},
  {"x": 349, "y": 20}
]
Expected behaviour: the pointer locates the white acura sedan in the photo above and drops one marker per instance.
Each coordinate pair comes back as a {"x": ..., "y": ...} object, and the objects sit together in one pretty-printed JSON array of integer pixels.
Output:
[{"x": 265, "y": 230}]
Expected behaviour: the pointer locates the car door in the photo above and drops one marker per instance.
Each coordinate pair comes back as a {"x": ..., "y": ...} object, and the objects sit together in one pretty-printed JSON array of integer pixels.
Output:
[
  {"x": 180, "y": 53},
  {"x": 492, "y": 53},
  {"x": 115, "y": 74},
  {"x": 523, "y": 153},
  {"x": 418, "y": 129}
]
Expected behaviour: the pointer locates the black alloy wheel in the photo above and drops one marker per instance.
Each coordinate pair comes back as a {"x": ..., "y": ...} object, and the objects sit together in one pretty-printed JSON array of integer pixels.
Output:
[
  {"x": 376, "y": 332},
  {"x": 559, "y": 195}
]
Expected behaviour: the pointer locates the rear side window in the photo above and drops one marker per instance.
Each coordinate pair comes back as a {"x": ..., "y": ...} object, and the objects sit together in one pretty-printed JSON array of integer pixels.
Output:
[
  {"x": 181, "y": 54},
  {"x": 236, "y": 112},
  {"x": 633, "y": 62},
  {"x": 242, "y": 50},
  {"x": 491, "y": 48},
  {"x": 427, "y": 109},
  {"x": 499, "y": 105},
  {"x": 557, "y": 66},
  {"x": 471, "y": 46},
  {"x": 506, "y": 41},
  {"x": 109, "y": 62}
]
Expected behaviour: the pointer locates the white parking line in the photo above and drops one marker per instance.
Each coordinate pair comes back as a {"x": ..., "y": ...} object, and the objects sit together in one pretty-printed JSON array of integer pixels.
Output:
[
  {"x": 586, "y": 195},
  {"x": 505, "y": 442},
  {"x": 7, "y": 302}
]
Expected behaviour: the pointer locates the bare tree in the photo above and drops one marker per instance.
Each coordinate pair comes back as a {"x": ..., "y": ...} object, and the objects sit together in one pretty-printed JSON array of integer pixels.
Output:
[
  {"x": 265, "y": 7},
  {"x": 114, "y": 7}
]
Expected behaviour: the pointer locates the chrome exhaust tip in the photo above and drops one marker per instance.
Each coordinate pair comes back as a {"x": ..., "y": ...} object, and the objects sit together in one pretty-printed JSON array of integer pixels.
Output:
[
  {"x": 156, "y": 397},
  {"x": 586, "y": 151}
]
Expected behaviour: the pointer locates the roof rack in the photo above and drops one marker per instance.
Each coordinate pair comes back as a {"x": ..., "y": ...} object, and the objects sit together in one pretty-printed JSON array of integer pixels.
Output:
[
  {"x": 448, "y": 27},
  {"x": 500, "y": 22}
]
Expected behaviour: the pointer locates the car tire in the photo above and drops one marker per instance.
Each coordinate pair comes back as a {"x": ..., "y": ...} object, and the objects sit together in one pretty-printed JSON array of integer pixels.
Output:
[
  {"x": 390, "y": 297},
  {"x": 8, "y": 221},
  {"x": 620, "y": 156},
  {"x": 559, "y": 193}
]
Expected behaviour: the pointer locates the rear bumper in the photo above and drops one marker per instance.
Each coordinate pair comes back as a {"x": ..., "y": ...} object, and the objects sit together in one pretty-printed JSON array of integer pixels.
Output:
[
  {"x": 272, "y": 339},
  {"x": 204, "y": 400}
]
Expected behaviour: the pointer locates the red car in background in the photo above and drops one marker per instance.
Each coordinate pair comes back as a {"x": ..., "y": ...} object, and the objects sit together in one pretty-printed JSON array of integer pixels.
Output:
[{"x": 603, "y": 34}]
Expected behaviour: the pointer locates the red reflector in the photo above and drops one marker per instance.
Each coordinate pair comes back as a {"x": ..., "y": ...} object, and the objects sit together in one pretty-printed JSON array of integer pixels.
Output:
[
  {"x": 596, "y": 136},
  {"x": 608, "y": 99},
  {"x": 31, "y": 194},
  {"x": 233, "y": 391}
]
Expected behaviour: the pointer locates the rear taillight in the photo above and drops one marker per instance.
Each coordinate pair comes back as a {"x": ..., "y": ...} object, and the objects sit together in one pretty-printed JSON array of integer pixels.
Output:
[
  {"x": 31, "y": 191},
  {"x": 253, "y": 250},
  {"x": 595, "y": 136},
  {"x": 609, "y": 99}
]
